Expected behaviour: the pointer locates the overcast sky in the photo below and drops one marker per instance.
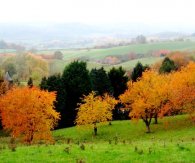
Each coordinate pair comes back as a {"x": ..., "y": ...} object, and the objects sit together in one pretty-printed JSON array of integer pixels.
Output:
[{"x": 99, "y": 11}]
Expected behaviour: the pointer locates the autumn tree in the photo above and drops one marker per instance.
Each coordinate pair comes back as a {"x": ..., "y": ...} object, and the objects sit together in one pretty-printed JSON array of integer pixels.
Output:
[
  {"x": 95, "y": 110},
  {"x": 25, "y": 65},
  {"x": 146, "y": 97},
  {"x": 182, "y": 92},
  {"x": 3, "y": 85},
  {"x": 28, "y": 113},
  {"x": 181, "y": 59}
]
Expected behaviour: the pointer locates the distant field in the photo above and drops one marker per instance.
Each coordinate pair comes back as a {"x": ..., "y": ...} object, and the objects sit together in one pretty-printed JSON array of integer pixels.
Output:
[
  {"x": 58, "y": 66},
  {"x": 121, "y": 50},
  {"x": 93, "y": 55},
  {"x": 172, "y": 140}
]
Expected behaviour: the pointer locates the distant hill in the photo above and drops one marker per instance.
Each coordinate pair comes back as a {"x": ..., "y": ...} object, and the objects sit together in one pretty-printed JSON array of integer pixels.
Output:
[{"x": 77, "y": 35}]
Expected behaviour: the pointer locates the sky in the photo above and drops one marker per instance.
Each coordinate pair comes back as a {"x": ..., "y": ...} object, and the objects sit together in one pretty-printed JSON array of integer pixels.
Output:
[{"x": 99, "y": 11}]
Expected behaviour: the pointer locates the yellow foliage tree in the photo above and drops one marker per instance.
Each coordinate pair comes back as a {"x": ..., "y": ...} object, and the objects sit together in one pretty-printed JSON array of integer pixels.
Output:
[
  {"x": 28, "y": 113},
  {"x": 146, "y": 97},
  {"x": 95, "y": 109}
]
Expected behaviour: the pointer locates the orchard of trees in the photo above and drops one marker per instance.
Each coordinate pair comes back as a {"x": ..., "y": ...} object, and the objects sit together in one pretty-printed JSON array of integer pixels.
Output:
[{"x": 94, "y": 98}]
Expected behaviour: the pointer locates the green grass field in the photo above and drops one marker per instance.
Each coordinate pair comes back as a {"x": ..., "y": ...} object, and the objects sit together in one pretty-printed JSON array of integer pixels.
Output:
[
  {"x": 58, "y": 65},
  {"x": 172, "y": 140},
  {"x": 93, "y": 55},
  {"x": 121, "y": 50}
]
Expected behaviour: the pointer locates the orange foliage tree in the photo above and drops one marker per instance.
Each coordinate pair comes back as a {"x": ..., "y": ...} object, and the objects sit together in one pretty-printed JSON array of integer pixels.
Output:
[
  {"x": 146, "y": 97},
  {"x": 95, "y": 109},
  {"x": 3, "y": 87},
  {"x": 182, "y": 92},
  {"x": 28, "y": 113},
  {"x": 181, "y": 58}
]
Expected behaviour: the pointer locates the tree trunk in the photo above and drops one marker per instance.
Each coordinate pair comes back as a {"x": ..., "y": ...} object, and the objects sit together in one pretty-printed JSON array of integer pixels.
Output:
[
  {"x": 156, "y": 119},
  {"x": 95, "y": 129},
  {"x": 148, "y": 129},
  {"x": 147, "y": 121}
]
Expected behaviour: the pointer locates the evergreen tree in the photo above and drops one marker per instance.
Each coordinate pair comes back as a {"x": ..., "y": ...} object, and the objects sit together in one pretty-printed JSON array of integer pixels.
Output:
[
  {"x": 100, "y": 81},
  {"x": 137, "y": 71},
  {"x": 167, "y": 66},
  {"x": 30, "y": 82},
  {"x": 76, "y": 82},
  {"x": 54, "y": 83},
  {"x": 118, "y": 81},
  {"x": 43, "y": 84}
]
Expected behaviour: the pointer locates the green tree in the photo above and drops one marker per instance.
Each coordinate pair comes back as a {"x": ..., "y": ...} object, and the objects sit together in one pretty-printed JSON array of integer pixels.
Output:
[
  {"x": 54, "y": 83},
  {"x": 137, "y": 71},
  {"x": 30, "y": 82},
  {"x": 167, "y": 66},
  {"x": 43, "y": 84},
  {"x": 118, "y": 81},
  {"x": 76, "y": 82},
  {"x": 100, "y": 81}
]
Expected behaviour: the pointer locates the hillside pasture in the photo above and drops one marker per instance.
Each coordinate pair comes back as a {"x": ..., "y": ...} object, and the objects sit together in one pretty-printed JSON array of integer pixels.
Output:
[{"x": 123, "y": 141}]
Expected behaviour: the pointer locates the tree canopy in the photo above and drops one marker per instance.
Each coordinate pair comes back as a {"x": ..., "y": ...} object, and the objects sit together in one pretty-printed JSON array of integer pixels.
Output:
[
  {"x": 100, "y": 81},
  {"x": 95, "y": 109},
  {"x": 28, "y": 113},
  {"x": 167, "y": 66},
  {"x": 76, "y": 82}
]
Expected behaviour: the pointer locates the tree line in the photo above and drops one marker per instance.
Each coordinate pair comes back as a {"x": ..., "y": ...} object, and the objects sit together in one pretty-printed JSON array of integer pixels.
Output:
[
  {"x": 76, "y": 81},
  {"x": 82, "y": 97}
]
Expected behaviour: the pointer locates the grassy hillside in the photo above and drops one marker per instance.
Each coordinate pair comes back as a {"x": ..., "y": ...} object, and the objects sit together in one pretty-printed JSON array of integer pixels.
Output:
[
  {"x": 123, "y": 141},
  {"x": 121, "y": 50},
  {"x": 58, "y": 66},
  {"x": 93, "y": 55}
]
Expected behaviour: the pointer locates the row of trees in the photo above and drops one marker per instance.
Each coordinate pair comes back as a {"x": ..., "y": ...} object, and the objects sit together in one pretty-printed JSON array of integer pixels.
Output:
[
  {"x": 77, "y": 81},
  {"x": 29, "y": 112},
  {"x": 153, "y": 95},
  {"x": 156, "y": 95}
]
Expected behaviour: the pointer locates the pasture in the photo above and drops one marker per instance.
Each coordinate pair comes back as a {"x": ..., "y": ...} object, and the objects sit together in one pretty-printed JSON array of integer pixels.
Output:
[{"x": 173, "y": 139}]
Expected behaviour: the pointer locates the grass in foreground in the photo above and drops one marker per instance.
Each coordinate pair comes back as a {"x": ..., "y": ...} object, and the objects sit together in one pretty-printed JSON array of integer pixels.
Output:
[{"x": 173, "y": 140}]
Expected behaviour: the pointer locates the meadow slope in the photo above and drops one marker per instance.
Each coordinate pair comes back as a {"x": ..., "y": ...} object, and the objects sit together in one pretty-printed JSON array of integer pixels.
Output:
[{"x": 172, "y": 140}]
